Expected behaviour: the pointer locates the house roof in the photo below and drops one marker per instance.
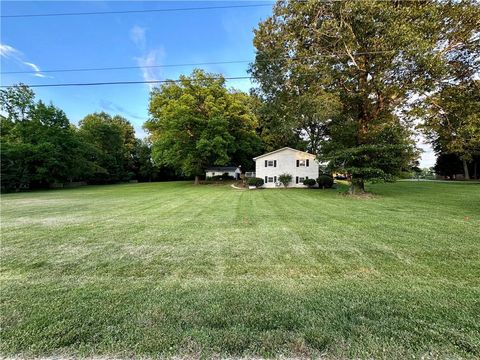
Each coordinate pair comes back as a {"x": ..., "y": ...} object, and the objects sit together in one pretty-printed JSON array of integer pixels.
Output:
[
  {"x": 221, "y": 168},
  {"x": 284, "y": 148}
]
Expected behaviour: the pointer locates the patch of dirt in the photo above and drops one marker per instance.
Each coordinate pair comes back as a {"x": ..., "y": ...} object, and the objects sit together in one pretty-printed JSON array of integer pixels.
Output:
[{"x": 364, "y": 196}]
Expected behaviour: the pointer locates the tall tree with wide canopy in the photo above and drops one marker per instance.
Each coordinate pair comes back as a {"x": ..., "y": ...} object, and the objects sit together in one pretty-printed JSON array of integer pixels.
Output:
[
  {"x": 371, "y": 56},
  {"x": 452, "y": 121},
  {"x": 112, "y": 140},
  {"x": 197, "y": 122},
  {"x": 39, "y": 145}
]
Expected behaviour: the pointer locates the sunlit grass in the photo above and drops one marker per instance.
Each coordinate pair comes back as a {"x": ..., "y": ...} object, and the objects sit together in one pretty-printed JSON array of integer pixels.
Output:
[{"x": 169, "y": 269}]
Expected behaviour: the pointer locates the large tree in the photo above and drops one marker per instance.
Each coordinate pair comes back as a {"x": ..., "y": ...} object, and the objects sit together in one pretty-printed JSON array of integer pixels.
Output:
[
  {"x": 452, "y": 121},
  {"x": 113, "y": 142},
  {"x": 197, "y": 122},
  {"x": 371, "y": 57},
  {"x": 39, "y": 145},
  {"x": 451, "y": 112}
]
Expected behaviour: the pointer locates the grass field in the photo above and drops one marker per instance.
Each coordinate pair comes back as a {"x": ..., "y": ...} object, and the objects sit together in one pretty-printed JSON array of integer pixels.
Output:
[{"x": 168, "y": 269}]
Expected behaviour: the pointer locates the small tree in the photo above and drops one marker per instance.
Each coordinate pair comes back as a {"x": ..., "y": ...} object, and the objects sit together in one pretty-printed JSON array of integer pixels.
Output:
[
  {"x": 285, "y": 179},
  {"x": 325, "y": 181}
]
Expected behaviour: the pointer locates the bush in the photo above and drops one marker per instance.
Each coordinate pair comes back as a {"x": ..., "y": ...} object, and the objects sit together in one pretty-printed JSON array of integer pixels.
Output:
[
  {"x": 309, "y": 182},
  {"x": 255, "y": 182},
  {"x": 285, "y": 179},
  {"x": 225, "y": 176},
  {"x": 325, "y": 181}
]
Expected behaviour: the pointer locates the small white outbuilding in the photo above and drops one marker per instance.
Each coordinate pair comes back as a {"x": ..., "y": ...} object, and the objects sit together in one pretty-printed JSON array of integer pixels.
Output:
[{"x": 300, "y": 164}]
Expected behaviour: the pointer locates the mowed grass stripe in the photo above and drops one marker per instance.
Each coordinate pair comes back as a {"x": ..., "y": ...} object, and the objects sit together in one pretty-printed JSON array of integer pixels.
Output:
[{"x": 168, "y": 269}]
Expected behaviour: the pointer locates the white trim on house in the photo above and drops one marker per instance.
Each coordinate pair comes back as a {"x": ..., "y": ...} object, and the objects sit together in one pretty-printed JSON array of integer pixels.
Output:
[
  {"x": 299, "y": 164},
  {"x": 282, "y": 149}
]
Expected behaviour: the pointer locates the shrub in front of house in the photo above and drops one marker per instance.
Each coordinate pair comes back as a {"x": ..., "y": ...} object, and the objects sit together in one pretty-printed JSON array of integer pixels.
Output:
[
  {"x": 325, "y": 181},
  {"x": 309, "y": 182},
  {"x": 285, "y": 179},
  {"x": 257, "y": 182},
  {"x": 223, "y": 177}
]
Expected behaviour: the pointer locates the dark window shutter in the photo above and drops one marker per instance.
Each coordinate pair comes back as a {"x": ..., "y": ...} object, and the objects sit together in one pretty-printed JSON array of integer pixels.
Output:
[
  {"x": 307, "y": 162},
  {"x": 298, "y": 164},
  {"x": 275, "y": 179},
  {"x": 266, "y": 179},
  {"x": 274, "y": 163},
  {"x": 266, "y": 163},
  {"x": 296, "y": 178},
  {"x": 306, "y": 177}
]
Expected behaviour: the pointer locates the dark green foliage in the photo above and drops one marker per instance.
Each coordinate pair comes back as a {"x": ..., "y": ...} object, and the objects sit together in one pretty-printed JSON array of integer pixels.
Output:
[
  {"x": 258, "y": 182},
  {"x": 450, "y": 165},
  {"x": 198, "y": 122},
  {"x": 40, "y": 147},
  {"x": 452, "y": 121},
  {"x": 285, "y": 179},
  {"x": 367, "y": 58},
  {"x": 325, "y": 181},
  {"x": 309, "y": 182},
  {"x": 113, "y": 142},
  {"x": 222, "y": 177}
]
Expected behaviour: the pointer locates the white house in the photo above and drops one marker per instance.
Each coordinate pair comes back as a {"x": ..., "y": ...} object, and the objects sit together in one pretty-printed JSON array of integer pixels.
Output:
[
  {"x": 220, "y": 170},
  {"x": 301, "y": 165}
]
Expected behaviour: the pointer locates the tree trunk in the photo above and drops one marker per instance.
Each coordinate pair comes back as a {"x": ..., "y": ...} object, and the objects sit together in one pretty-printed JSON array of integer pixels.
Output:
[
  {"x": 475, "y": 170},
  {"x": 465, "y": 170},
  {"x": 357, "y": 186},
  {"x": 197, "y": 180}
]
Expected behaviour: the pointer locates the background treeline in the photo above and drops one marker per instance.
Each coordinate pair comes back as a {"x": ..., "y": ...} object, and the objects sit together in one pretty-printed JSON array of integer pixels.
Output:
[
  {"x": 41, "y": 148},
  {"x": 351, "y": 81}
]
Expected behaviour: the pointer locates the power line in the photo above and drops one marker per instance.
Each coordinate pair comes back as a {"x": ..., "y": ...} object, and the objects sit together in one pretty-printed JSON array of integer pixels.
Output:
[
  {"x": 126, "y": 67},
  {"x": 126, "y": 82},
  {"x": 136, "y": 11},
  {"x": 194, "y": 64}
]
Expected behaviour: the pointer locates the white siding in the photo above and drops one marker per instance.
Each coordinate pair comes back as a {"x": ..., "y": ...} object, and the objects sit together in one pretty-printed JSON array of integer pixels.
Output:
[
  {"x": 216, "y": 173},
  {"x": 286, "y": 161}
]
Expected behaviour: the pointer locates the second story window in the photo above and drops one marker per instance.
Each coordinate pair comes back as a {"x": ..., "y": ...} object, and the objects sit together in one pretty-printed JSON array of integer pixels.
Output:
[
  {"x": 272, "y": 163},
  {"x": 302, "y": 163}
]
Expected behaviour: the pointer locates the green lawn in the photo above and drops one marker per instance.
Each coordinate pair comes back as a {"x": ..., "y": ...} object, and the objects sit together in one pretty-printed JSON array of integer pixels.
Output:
[{"x": 168, "y": 269}]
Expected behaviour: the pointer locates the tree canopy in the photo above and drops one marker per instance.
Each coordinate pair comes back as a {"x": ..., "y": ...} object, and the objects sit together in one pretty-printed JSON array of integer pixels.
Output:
[
  {"x": 197, "y": 122},
  {"x": 368, "y": 58},
  {"x": 41, "y": 148}
]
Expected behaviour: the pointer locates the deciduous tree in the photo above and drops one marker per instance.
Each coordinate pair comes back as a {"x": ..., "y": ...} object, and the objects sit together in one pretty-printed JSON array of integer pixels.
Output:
[
  {"x": 371, "y": 57},
  {"x": 197, "y": 122}
]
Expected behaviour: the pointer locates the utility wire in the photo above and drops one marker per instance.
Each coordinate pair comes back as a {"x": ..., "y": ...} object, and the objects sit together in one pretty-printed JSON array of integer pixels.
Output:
[
  {"x": 126, "y": 82},
  {"x": 193, "y": 64},
  {"x": 136, "y": 11},
  {"x": 125, "y": 67}
]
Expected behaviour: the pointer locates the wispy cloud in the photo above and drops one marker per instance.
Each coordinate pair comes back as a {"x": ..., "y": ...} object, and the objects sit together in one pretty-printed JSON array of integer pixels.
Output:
[
  {"x": 149, "y": 57},
  {"x": 6, "y": 51},
  {"x": 137, "y": 35},
  {"x": 148, "y": 61},
  {"x": 9, "y": 52},
  {"x": 35, "y": 68}
]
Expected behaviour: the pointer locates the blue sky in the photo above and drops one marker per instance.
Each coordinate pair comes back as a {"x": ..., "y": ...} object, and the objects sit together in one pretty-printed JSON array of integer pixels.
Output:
[{"x": 116, "y": 40}]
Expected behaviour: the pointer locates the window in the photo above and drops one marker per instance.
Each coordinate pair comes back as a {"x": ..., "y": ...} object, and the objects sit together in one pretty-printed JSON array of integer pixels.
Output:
[
  {"x": 271, "y": 163},
  {"x": 300, "y": 179},
  {"x": 270, "y": 179},
  {"x": 303, "y": 163}
]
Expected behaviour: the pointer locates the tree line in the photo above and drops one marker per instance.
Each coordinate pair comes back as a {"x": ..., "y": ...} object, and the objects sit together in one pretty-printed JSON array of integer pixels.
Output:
[
  {"x": 41, "y": 148},
  {"x": 351, "y": 81}
]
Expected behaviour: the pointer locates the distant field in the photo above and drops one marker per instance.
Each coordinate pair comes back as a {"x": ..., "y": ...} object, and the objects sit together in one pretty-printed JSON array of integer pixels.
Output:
[{"x": 166, "y": 269}]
